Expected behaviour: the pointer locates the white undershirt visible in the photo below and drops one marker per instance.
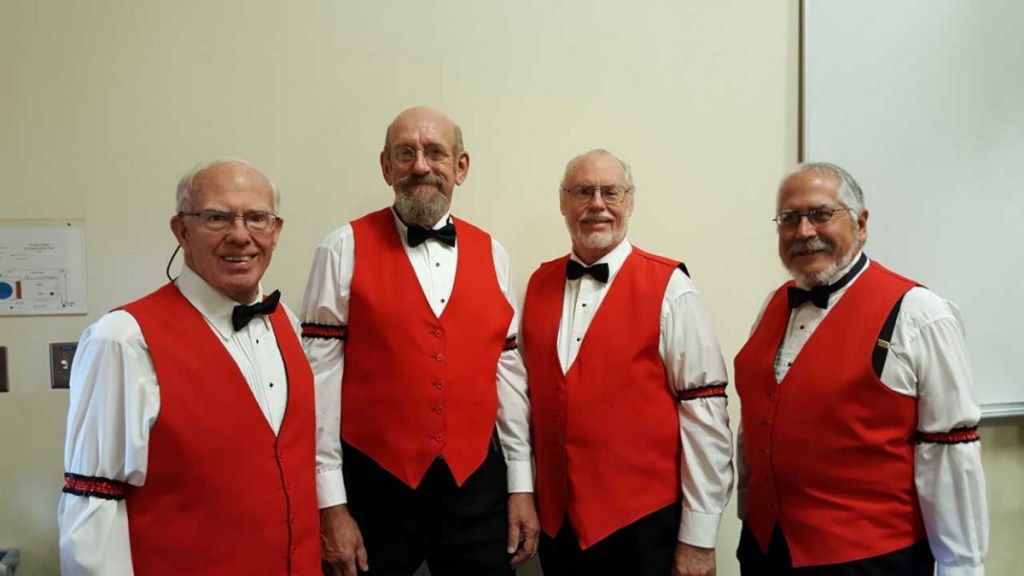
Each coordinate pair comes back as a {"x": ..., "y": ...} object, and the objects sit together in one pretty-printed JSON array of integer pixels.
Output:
[
  {"x": 927, "y": 360},
  {"x": 327, "y": 303},
  {"x": 692, "y": 358},
  {"x": 115, "y": 400}
]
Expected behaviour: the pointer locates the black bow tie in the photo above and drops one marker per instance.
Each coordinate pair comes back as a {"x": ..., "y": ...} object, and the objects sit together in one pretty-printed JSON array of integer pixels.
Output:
[
  {"x": 819, "y": 294},
  {"x": 418, "y": 235},
  {"x": 574, "y": 270},
  {"x": 243, "y": 313}
]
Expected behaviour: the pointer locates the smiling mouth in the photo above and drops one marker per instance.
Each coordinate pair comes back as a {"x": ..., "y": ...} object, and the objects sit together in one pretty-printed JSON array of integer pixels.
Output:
[{"x": 237, "y": 259}]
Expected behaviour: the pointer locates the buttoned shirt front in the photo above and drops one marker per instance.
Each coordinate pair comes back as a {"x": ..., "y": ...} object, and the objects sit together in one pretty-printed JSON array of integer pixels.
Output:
[
  {"x": 115, "y": 400},
  {"x": 693, "y": 359},
  {"x": 927, "y": 360},
  {"x": 326, "y": 303}
]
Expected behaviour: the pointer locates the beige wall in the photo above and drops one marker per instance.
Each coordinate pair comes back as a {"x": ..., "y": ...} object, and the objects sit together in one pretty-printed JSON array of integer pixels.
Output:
[{"x": 104, "y": 104}]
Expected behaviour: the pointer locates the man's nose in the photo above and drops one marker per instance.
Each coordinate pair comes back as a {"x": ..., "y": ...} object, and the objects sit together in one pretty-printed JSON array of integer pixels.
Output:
[
  {"x": 804, "y": 228},
  {"x": 420, "y": 165},
  {"x": 597, "y": 199},
  {"x": 239, "y": 232}
]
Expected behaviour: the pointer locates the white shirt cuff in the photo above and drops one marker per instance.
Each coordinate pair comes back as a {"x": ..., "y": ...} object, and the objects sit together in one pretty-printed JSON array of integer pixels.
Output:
[
  {"x": 699, "y": 528},
  {"x": 961, "y": 570},
  {"x": 520, "y": 476},
  {"x": 330, "y": 488}
]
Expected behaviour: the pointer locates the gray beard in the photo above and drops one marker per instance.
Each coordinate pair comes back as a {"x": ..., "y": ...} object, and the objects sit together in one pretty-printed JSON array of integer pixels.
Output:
[
  {"x": 424, "y": 213},
  {"x": 829, "y": 272}
]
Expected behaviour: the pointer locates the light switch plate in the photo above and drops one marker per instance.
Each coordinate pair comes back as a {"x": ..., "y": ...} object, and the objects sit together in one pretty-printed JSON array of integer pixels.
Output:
[
  {"x": 61, "y": 356},
  {"x": 4, "y": 381}
]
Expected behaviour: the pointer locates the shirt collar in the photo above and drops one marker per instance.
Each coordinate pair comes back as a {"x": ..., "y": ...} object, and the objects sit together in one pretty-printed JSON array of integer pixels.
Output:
[
  {"x": 614, "y": 259},
  {"x": 215, "y": 307},
  {"x": 403, "y": 230}
]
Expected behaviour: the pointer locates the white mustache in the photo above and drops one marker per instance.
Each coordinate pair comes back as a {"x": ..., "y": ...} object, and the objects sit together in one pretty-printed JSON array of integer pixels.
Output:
[
  {"x": 602, "y": 216},
  {"x": 809, "y": 246}
]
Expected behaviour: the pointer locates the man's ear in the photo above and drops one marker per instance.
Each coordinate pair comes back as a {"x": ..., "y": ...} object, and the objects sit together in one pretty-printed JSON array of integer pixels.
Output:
[
  {"x": 385, "y": 167},
  {"x": 461, "y": 167},
  {"x": 179, "y": 229}
]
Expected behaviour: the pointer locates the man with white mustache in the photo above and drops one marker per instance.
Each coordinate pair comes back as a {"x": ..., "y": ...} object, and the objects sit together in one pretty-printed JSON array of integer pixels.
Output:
[
  {"x": 409, "y": 323},
  {"x": 191, "y": 429},
  {"x": 858, "y": 445},
  {"x": 627, "y": 385}
]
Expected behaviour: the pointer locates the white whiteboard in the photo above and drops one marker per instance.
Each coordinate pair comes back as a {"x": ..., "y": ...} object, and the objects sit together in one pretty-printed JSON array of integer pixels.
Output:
[{"x": 923, "y": 102}]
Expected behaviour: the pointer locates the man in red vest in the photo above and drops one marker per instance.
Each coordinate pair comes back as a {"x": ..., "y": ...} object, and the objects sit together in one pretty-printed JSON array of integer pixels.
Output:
[
  {"x": 191, "y": 432},
  {"x": 859, "y": 449},
  {"x": 409, "y": 323},
  {"x": 627, "y": 388}
]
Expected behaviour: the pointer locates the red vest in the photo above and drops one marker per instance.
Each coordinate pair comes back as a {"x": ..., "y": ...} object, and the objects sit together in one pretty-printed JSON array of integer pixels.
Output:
[
  {"x": 223, "y": 494},
  {"x": 830, "y": 449},
  {"x": 606, "y": 433},
  {"x": 416, "y": 386}
]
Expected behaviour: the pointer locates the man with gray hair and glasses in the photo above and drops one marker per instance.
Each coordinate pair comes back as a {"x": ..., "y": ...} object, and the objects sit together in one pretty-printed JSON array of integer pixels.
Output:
[
  {"x": 627, "y": 388},
  {"x": 859, "y": 449},
  {"x": 191, "y": 430}
]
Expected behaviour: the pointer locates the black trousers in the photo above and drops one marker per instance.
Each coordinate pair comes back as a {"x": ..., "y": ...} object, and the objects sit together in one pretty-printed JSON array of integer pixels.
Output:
[
  {"x": 458, "y": 531},
  {"x": 644, "y": 548},
  {"x": 914, "y": 560}
]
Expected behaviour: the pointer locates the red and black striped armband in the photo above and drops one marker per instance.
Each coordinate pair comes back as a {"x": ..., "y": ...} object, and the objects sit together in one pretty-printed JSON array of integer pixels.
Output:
[
  {"x": 325, "y": 331},
  {"x": 511, "y": 343},
  {"x": 709, "y": 391},
  {"x": 954, "y": 436},
  {"x": 94, "y": 487}
]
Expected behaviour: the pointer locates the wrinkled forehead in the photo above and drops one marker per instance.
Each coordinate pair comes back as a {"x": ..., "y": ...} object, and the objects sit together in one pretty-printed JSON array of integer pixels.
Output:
[
  {"x": 808, "y": 189},
  {"x": 232, "y": 186},
  {"x": 421, "y": 129},
  {"x": 596, "y": 170}
]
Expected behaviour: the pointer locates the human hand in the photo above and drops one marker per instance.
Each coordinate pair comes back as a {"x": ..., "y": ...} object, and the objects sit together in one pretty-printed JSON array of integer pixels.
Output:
[
  {"x": 693, "y": 561},
  {"x": 341, "y": 543},
  {"x": 523, "y": 527}
]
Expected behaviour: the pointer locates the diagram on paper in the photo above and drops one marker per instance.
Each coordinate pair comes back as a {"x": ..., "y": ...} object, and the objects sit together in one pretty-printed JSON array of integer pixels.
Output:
[
  {"x": 34, "y": 290},
  {"x": 42, "y": 267}
]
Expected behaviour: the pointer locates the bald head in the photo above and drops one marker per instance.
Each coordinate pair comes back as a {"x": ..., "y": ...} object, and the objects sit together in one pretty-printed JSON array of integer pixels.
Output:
[
  {"x": 219, "y": 168},
  {"x": 426, "y": 116}
]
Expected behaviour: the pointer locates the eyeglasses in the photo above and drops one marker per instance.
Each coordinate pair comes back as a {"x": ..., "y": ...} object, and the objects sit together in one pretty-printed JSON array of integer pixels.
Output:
[
  {"x": 407, "y": 154},
  {"x": 611, "y": 195},
  {"x": 219, "y": 221},
  {"x": 816, "y": 216}
]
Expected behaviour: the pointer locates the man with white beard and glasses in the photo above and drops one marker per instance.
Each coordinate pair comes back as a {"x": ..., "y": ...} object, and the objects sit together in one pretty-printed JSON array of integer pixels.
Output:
[
  {"x": 859, "y": 451},
  {"x": 631, "y": 432},
  {"x": 409, "y": 323}
]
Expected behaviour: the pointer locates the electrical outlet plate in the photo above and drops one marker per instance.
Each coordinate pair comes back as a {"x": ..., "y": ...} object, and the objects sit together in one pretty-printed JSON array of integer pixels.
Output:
[
  {"x": 4, "y": 378},
  {"x": 61, "y": 356}
]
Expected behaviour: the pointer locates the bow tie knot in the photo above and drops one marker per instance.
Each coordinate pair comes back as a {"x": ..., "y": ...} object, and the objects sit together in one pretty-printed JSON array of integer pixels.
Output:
[
  {"x": 574, "y": 270},
  {"x": 417, "y": 235},
  {"x": 243, "y": 313},
  {"x": 817, "y": 296}
]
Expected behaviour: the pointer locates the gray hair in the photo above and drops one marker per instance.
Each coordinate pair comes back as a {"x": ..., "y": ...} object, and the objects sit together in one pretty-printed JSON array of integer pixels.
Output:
[
  {"x": 183, "y": 193},
  {"x": 572, "y": 164},
  {"x": 850, "y": 194}
]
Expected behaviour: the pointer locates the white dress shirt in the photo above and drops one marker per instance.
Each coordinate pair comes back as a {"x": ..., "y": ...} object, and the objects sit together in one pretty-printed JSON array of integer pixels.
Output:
[
  {"x": 115, "y": 400},
  {"x": 327, "y": 303},
  {"x": 692, "y": 358},
  {"x": 927, "y": 360}
]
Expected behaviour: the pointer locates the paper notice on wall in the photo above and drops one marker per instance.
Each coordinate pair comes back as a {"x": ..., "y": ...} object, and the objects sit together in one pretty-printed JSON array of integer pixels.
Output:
[{"x": 42, "y": 267}]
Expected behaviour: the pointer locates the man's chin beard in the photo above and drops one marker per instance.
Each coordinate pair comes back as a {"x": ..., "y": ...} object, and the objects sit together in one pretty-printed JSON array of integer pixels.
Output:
[
  {"x": 599, "y": 241},
  {"x": 425, "y": 212},
  {"x": 828, "y": 273}
]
